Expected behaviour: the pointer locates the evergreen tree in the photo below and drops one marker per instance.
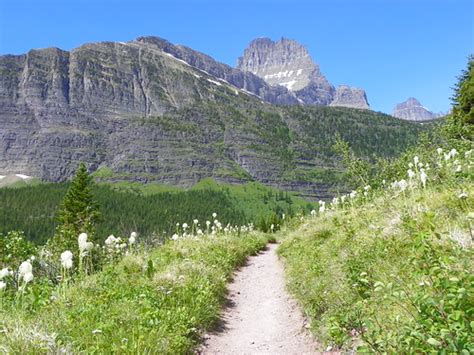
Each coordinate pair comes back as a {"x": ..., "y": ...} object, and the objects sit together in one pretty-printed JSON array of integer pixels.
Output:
[
  {"x": 460, "y": 123},
  {"x": 78, "y": 212}
]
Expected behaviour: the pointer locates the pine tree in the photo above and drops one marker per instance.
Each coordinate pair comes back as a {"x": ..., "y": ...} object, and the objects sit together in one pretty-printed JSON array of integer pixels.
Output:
[
  {"x": 78, "y": 212},
  {"x": 460, "y": 123}
]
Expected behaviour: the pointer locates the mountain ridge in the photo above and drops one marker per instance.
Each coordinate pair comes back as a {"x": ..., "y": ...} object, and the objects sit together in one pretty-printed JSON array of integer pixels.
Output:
[{"x": 149, "y": 115}]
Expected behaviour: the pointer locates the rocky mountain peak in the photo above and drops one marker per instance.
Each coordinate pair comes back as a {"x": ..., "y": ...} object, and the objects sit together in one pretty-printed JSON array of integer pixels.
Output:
[
  {"x": 413, "y": 110},
  {"x": 347, "y": 96},
  {"x": 287, "y": 63},
  {"x": 284, "y": 62}
]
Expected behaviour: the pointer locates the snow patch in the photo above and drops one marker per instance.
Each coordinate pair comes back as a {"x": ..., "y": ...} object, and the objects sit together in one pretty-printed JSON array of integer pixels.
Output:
[
  {"x": 298, "y": 72},
  {"x": 24, "y": 177},
  {"x": 288, "y": 84},
  {"x": 214, "y": 82}
]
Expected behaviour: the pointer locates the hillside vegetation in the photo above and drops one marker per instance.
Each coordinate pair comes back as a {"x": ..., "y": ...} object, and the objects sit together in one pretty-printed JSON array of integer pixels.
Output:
[
  {"x": 142, "y": 301},
  {"x": 389, "y": 267}
]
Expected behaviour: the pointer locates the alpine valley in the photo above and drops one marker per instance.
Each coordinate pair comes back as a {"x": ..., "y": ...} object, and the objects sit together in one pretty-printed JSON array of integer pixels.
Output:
[{"x": 151, "y": 111}]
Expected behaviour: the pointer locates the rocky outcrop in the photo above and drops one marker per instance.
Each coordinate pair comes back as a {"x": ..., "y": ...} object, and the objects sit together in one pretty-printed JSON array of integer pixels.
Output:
[
  {"x": 347, "y": 96},
  {"x": 287, "y": 63},
  {"x": 413, "y": 110},
  {"x": 148, "y": 110}
]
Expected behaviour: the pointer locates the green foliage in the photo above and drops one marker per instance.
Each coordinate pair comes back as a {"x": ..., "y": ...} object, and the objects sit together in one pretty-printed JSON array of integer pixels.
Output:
[
  {"x": 148, "y": 302},
  {"x": 14, "y": 249},
  {"x": 78, "y": 212},
  {"x": 460, "y": 123},
  {"x": 391, "y": 272},
  {"x": 356, "y": 167},
  {"x": 145, "y": 208}
]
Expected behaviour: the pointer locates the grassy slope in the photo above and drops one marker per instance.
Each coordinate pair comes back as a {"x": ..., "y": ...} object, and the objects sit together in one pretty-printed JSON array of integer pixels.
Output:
[
  {"x": 386, "y": 274},
  {"x": 134, "y": 308}
]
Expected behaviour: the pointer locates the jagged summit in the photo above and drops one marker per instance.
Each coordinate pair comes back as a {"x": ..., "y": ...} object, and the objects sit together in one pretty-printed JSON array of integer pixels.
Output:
[
  {"x": 287, "y": 63},
  {"x": 413, "y": 110}
]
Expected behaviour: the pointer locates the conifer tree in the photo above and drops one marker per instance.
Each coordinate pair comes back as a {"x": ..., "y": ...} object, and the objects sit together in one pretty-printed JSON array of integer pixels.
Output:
[
  {"x": 78, "y": 212},
  {"x": 460, "y": 123}
]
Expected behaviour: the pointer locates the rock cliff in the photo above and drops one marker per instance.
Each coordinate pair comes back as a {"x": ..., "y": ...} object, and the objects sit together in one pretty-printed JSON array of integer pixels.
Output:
[
  {"x": 287, "y": 63},
  {"x": 148, "y": 110},
  {"x": 413, "y": 110}
]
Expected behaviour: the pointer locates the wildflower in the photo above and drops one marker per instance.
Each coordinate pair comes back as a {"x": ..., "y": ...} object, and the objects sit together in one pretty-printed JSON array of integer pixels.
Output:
[
  {"x": 353, "y": 194},
  {"x": 322, "y": 206},
  {"x": 134, "y": 234},
  {"x": 4, "y": 273},
  {"x": 195, "y": 221},
  {"x": 3, "y": 285},
  {"x": 411, "y": 174},
  {"x": 423, "y": 178},
  {"x": 439, "y": 151},
  {"x": 416, "y": 160},
  {"x": 84, "y": 245},
  {"x": 111, "y": 240},
  {"x": 66, "y": 259},
  {"x": 185, "y": 225},
  {"x": 32, "y": 258},
  {"x": 283, "y": 216},
  {"x": 313, "y": 213},
  {"x": 199, "y": 232},
  {"x": 214, "y": 215},
  {"x": 462, "y": 196},
  {"x": 384, "y": 182},
  {"x": 208, "y": 223},
  {"x": 96, "y": 331},
  {"x": 402, "y": 185},
  {"x": 468, "y": 154},
  {"x": 28, "y": 277},
  {"x": 132, "y": 240},
  {"x": 25, "y": 268},
  {"x": 453, "y": 152},
  {"x": 175, "y": 237},
  {"x": 410, "y": 165},
  {"x": 367, "y": 188}
]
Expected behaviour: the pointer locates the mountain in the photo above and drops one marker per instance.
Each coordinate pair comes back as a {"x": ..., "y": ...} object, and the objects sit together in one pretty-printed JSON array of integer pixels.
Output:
[
  {"x": 148, "y": 110},
  {"x": 413, "y": 110},
  {"x": 287, "y": 63}
]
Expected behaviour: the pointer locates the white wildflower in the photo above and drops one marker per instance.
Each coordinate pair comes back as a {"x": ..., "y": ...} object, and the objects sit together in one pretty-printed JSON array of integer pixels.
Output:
[
  {"x": 439, "y": 151},
  {"x": 208, "y": 223},
  {"x": 185, "y": 226},
  {"x": 4, "y": 273},
  {"x": 353, "y": 194},
  {"x": 410, "y": 165},
  {"x": 462, "y": 196},
  {"x": 25, "y": 268},
  {"x": 66, "y": 259},
  {"x": 28, "y": 277},
  {"x": 453, "y": 152},
  {"x": 402, "y": 185},
  {"x": 195, "y": 221},
  {"x": 111, "y": 240},
  {"x": 367, "y": 188},
  {"x": 313, "y": 213},
  {"x": 175, "y": 237},
  {"x": 134, "y": 235},
  {"x": 423, "y": 178},
  {"x": 132, "y": 240},
  {"x": 416, "y": 160},
  {"x": 214, "y": 215},
  {"x": 3, "y": 285},
  {"x": 411, "y": 174}
]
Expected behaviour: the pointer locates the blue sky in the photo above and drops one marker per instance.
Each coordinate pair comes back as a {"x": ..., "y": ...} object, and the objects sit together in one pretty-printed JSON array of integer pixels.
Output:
[{"x": 392, "y": 48}]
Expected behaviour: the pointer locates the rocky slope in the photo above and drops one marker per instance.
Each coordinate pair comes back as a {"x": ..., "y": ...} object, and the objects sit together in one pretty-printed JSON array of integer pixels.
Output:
[
  {"x": 413, "y": 110},
  {"x": 287, "y": 63},
  {"x": 148, "y": 110}
]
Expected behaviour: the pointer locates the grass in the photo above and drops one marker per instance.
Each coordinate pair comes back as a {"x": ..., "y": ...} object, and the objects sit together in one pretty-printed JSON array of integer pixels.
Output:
[
  {"x": 149, "y": 302},
  {"x": 389, "y": 274}
]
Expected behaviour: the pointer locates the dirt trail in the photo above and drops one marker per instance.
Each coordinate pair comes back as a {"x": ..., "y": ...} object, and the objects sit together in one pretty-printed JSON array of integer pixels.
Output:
[{"x": 260, "y": 317}]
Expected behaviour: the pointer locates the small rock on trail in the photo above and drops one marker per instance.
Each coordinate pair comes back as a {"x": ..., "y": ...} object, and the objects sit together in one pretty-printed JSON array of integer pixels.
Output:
[{"x": 260, "y": 317}]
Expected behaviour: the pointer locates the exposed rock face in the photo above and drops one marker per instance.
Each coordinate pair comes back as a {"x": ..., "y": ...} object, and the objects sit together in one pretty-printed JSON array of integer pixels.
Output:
[
  {"x": 413, "y": 110},
  {"x": 148, "y": 110},
  {"x": 347, "y": 96},
  {"x": 287, "y": 63}
]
